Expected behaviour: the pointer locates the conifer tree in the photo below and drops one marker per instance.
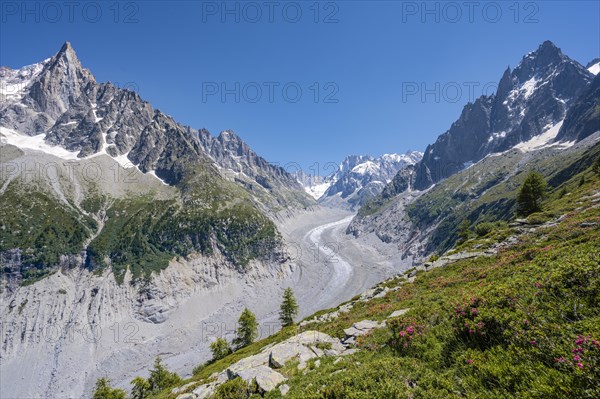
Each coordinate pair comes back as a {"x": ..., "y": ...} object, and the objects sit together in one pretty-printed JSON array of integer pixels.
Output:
[{"x": 289, "y": 308}]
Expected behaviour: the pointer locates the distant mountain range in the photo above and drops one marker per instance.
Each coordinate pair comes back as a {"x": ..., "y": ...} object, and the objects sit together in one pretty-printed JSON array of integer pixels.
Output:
[{"x": 357, "y": 179}]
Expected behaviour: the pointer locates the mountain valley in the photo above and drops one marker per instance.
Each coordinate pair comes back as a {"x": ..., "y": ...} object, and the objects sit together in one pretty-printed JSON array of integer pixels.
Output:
[{"x": 125, "y": 235}]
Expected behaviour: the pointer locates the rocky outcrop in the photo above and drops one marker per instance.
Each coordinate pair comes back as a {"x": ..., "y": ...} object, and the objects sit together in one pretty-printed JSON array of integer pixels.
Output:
[
  {"x": 361, "y": 328},
  {"x": 262, "y": 367}
]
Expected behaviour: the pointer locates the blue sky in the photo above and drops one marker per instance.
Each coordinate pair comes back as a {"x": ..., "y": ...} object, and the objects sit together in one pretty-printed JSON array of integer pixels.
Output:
[{"x": 360, "y": 66}]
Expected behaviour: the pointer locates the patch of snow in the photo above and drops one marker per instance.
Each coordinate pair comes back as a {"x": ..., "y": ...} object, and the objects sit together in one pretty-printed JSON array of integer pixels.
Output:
[
  {"x": 496, "y": 135},
  {"x": 96, "y": 119},
  {"x": 542, "y": 140},
  {"x": 365, "y": 168},
  {"x": 36, "y": 143},
  {"x": 529, "y": 87},
  {"x": 595, "y": 69},
  {"x": 153, "y": 173},
  {"x": 124, "y": 161},
  {"x": 318, "y": 190}
]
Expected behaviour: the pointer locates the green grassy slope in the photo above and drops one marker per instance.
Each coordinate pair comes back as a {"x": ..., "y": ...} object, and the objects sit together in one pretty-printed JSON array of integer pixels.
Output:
[
  {"x": 139, "y": 232},
  {"x": 523, "y": 323},
  {"x": 487, "y": 191}
]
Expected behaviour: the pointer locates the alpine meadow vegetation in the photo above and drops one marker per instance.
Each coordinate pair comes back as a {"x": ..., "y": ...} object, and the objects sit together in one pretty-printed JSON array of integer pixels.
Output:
[{"x": 523, "y": 322}]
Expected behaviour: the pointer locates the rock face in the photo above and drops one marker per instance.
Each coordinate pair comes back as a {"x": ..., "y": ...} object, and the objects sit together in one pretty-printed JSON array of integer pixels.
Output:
[
  {"x": 229, "y": 151},
  {"x": 57, "y": 111},
  {"x": 391, "y": 225},
  {"x": 531, "y": 98},
  {"x": 56, "y": 325},
  {"x": 583, "y": 118}
]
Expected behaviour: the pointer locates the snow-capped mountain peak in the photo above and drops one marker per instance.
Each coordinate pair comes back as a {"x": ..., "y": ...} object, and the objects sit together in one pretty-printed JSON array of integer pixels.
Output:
[
  {"x": 358, "y": 178},
  {"x": 368, "y": 167},
  {"x": 57, "y": 107},
  {"x": 530, "y": 99},
  {"x": 15, "y": 82}
]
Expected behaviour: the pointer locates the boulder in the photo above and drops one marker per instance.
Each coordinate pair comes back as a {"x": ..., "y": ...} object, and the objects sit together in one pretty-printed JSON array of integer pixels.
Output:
[
  {"x": 346, "y": 308},
  {"x": 284, "y": 389},
  {"x": 381, "y": 294},
  {"x": 398, "y": 313},
  {"x": 331, "y": 352},
  {"x": 266, "y": 378},
  {"x": 361, "y": 328},
  {"x": 247, "y": 363},
  {"x": 286, "y": 351},
  {"x": 349, "y": 352},
  {"x": 219, "y": 377},
  {"x": 205, "y": 391}
]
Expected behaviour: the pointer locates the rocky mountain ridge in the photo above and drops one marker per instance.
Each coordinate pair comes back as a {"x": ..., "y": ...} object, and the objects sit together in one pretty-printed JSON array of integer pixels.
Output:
[
  {"x": 530, "y": 100},
  {"x": 62, "y": 100}
]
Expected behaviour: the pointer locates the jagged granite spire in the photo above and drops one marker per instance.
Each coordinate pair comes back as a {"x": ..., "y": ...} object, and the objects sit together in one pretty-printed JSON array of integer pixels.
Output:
[{"x": 60, "y": 84}]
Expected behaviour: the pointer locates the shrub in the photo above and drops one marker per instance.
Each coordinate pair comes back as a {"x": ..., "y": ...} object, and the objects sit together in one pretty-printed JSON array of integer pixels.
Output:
[
  {"x": 537, "y": 218},
  {"x": 464, "y": 231},
  {"x": 563, "y": 191},
  {"x": 434, "y": 257},
  {"x": 232, "y": 389},
  {"x": 404, "y": 330},
  {"x": 198, "y": 369},
  {"x": 219, "y": 348},
  {"x": 483, "y": 229},
  {"x": 586, "y": 359},
  {"x": 140, "y": 389},
  {"x": 478, "y": 325},
  {"x": 160, "y": 379}
]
